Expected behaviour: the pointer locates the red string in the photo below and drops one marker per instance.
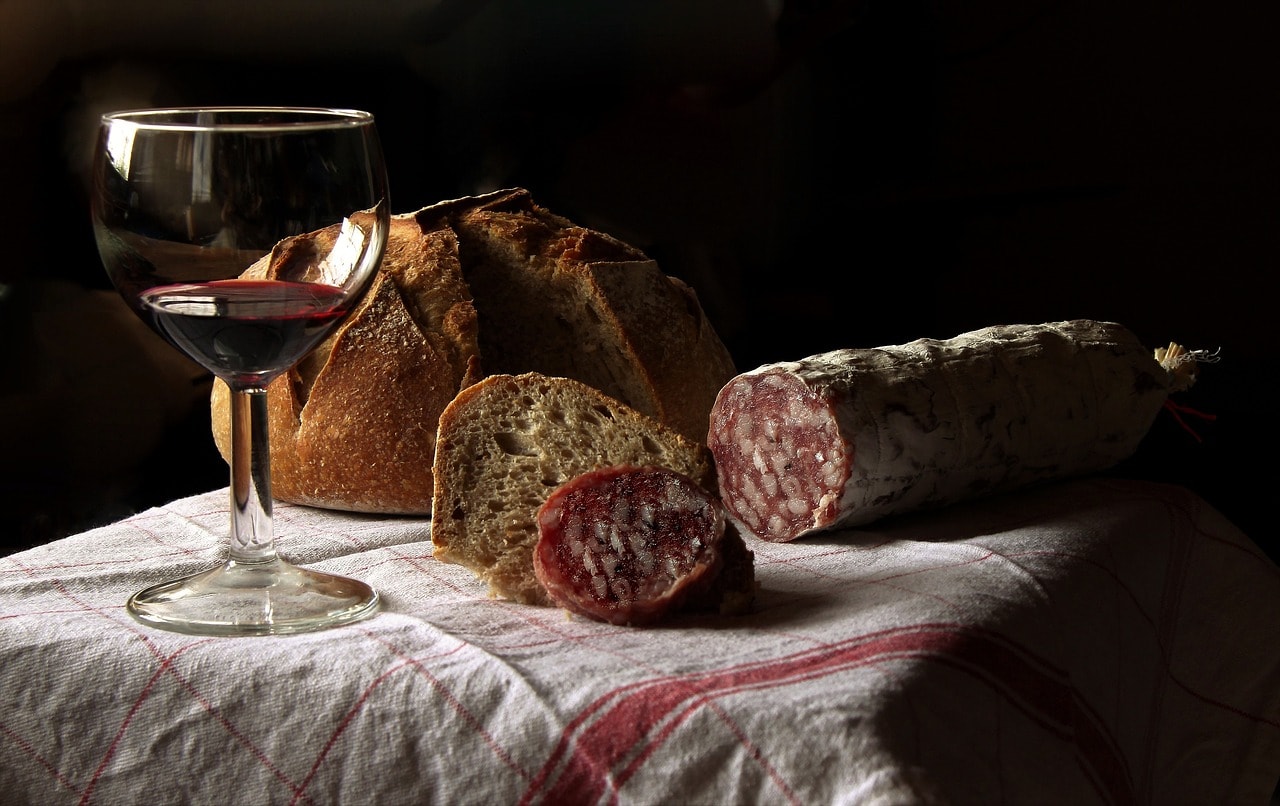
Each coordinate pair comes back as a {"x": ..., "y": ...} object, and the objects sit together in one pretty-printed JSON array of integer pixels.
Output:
[{"x": 1178, "y": 410}]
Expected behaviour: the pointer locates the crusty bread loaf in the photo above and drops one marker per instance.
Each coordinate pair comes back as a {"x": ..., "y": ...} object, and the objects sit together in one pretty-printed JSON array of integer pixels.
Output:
[
  {"x": 483, "y": 285},
  {"x": 505, "y": 443},
  {"x": 354, "y": 425}
]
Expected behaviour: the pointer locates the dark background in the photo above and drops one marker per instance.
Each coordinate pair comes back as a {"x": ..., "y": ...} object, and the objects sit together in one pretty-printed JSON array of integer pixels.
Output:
[{"x": 825, "y": 174}]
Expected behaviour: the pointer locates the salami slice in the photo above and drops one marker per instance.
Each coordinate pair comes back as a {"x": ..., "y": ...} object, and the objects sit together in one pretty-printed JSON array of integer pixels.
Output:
[
  {"x": 628, "y": 545},
  {"x": 844, "y": 438}
]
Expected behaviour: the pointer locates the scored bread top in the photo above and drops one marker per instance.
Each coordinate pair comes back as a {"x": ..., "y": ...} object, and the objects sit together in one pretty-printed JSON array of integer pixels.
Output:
[
  {"x": 353, "y": 425},
  {"x": 505, "y": 443}
]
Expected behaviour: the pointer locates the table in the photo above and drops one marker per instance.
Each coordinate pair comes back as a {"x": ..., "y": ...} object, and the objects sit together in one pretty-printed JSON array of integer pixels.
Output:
[{"x": 1097, "y": 640}]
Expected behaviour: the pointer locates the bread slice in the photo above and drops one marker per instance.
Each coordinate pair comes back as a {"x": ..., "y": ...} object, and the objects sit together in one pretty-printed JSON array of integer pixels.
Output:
[
  {"x": 353, "y": 426},
  {"x": 505, "y": 443}
]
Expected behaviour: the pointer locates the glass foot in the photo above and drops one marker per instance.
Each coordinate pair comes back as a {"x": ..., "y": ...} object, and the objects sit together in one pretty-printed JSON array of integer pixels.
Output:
[{"x": 268, "y": 598}]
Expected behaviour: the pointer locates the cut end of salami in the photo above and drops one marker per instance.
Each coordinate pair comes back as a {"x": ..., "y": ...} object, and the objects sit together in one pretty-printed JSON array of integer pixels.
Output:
[
  {"x": 628, "y": 545},
  {"x": 781, "y": 460}
]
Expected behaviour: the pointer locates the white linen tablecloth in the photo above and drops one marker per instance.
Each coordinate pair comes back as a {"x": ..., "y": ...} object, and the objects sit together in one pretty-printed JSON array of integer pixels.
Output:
[{"x": 1092, "y": 641}]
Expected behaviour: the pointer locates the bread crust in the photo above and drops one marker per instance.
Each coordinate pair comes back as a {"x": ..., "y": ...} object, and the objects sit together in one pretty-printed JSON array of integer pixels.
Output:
[{"x": 608, "y": 316}]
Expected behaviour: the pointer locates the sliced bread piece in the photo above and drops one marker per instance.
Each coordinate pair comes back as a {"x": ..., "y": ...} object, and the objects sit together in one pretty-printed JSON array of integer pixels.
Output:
[{"x": 505, "y": 443}]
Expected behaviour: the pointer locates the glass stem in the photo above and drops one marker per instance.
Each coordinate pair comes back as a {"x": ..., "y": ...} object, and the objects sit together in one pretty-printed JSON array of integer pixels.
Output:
[{"x": 252, "y": 535}]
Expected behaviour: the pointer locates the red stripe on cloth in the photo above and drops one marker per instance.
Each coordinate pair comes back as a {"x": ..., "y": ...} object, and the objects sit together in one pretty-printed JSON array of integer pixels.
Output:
[
  {"x": 418, "y": 666},
  {"x": 608, "y": 741},
  {"x": 30, "y": 751},
  {"x": 166, "y": 667}
]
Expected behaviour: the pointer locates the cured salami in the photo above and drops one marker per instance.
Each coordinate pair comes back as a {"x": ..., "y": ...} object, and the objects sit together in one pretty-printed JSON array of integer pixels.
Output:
[
  {"x": 847, "y": 437},
  {"x": 629, "y": 545}
]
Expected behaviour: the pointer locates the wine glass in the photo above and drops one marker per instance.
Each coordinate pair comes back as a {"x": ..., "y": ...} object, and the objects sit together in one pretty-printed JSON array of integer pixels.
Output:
[{"x": 243, "y": 236}]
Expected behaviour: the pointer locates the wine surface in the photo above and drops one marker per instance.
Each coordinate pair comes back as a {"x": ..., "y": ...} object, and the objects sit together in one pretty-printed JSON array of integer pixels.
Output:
[{"x": 246, "y": 332}]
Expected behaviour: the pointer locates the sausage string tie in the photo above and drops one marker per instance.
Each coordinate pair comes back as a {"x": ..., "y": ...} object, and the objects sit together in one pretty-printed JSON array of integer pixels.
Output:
[{"x": 1181, "y": 364}]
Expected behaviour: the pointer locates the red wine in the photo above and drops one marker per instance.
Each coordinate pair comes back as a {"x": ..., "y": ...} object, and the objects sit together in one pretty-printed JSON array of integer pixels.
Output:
[{"x": 246, "y": 331}]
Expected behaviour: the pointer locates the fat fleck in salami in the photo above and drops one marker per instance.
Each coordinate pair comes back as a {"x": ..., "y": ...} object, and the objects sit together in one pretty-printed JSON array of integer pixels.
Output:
[
  {"x": 628, "y": 545},
  {"x": 850, "y": 436}
]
